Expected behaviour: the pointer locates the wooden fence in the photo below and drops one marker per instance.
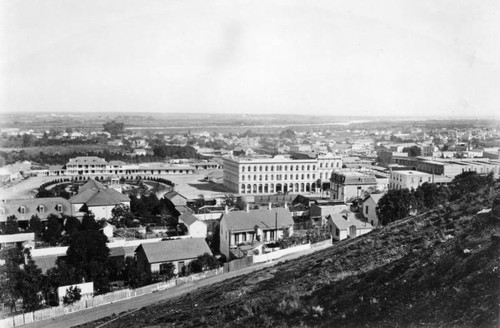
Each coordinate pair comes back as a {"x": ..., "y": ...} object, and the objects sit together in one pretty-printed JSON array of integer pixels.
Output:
[{"x": 88, "y": 303}]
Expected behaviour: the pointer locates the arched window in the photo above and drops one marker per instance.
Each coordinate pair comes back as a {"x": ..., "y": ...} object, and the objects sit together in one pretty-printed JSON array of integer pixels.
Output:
[
  {"x": 308, "y": 167},
  {"x": 242, "y": 169},
  {"x": 41, "y": 209},
  {"x": 242, "y": 178},
  {"x": 286, "y": 167},
  {"x": 22, "y": 210}
]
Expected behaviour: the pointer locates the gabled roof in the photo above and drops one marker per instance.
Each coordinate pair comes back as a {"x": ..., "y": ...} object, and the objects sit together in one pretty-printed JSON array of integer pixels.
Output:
[
  {"x": 173, "y": 250},
  {"x": 91, "y": 184},
  {"x": 188, "y": 218},
  {"x": 99, "y": 197},
  {"x": 342, "y": 224},
  {"x": 172, "y": 194},
  {"x": 263, "y": 218}
]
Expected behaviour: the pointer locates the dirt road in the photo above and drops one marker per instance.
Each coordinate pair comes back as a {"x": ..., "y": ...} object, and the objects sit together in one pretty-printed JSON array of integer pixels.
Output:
[{"x": 81, "y": 317}]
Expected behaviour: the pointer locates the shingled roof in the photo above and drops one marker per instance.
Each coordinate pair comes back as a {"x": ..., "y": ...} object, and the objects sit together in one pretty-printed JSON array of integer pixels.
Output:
[
  {"x": 264, "y": 218},
  {"x": 33, "y": 206},
  {"x": 174, "y": 250},
  {"x": 188, "y": 218},
  {"x": 98, "y": 196}
]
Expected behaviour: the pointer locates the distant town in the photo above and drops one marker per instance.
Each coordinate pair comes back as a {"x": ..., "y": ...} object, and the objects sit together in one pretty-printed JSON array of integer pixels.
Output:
[{"x": 94, "y": 215}]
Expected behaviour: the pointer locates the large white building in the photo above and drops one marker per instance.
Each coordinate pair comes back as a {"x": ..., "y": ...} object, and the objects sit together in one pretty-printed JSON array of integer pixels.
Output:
[
  {"x": 265, "y": 175},
  {"x": 409, "y": 179}
]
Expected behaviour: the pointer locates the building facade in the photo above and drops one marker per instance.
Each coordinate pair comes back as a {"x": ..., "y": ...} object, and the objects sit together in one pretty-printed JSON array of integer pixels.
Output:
[
  {"x": 279, "y": 174},
  {"x": 348, "y": 185}
]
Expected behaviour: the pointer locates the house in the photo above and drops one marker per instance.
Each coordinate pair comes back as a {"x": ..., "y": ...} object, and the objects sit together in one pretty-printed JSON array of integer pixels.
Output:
[
  {"x": 369, "y": 205},
  {"x": 24, "y": 209},
  {"x": 98, "y": 199},
  {"x": 350, "y": 185},
  {"x": 247, "y": 227},
  {"x": 320, "y": 213},
  {"x": 152, "y": 257},
  {"x": 196, "y": 228},
  {"x": 345, "y": 225},
  {"x": 176, "y": 198}
]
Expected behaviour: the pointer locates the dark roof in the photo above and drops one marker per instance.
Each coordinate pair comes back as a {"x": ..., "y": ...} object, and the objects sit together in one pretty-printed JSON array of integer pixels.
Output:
[
  {"x": 33, "y": 206},
  {"x": 91, "y": 184},
  {"x": 264, "y": 218},
  {"x": 99, "y": 197},
  {"x": 45, "y": 263},
  {"x": 188, "y": 218},
  {"x": 172, "y": 194},
  {"x": 173, "y": 250}
]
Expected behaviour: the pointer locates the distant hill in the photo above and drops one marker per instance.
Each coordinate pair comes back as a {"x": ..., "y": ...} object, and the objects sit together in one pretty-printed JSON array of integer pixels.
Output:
[{"x": 439, "y": 269}]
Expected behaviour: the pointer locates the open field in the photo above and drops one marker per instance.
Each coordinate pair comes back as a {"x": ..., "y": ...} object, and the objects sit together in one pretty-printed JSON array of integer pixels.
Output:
[{"x": 189, "y": 185}]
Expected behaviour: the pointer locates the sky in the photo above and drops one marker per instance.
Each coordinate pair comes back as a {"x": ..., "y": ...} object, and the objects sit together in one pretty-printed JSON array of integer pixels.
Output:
[{"x": 379, "y": 58}]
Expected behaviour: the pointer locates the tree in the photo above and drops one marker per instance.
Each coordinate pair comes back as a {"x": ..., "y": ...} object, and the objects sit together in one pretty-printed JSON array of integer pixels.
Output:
[
  {"x": 469, "y": 182},
  {"x": 412, "y": 151},
  {"x": 114, "y": 128},
  {"x": 36, "y": 226},
  {"x": 429, "y": 195},
  {"x": 9, "y": 272},
  {"x": 122, "y": 216},
  {"x": 52, "y": 234},
  {"x": 29, "y": 284},
  {"x": 44, "y": 193},
  {"x": 88, "y": 255},
  {"x": 11, "y": 226},
  {"x": 395, "y": 205},
  {"x": 89, "y": 222},
  {"x": 71, "y": 225}
]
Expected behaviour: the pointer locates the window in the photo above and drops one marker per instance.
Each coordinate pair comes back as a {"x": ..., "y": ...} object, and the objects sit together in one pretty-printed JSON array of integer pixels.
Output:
[
  {"x": 308, "y": 167},
  {"x": 22, "y": 210},
  {"x": 243, "y": 169},
  {"x": 41, "y": 209},
  {"x": 260, "y": 168},
  {"x": 366, "y": 210},
  {"x": 286, "y": 177},
  {"x": 265, "y": 177},
  {"x": 271, "y": 234},
  {"x": 286, "y": 167},
  {"x": 337, "y": 231},
  {"x": 242, "y": 178}
]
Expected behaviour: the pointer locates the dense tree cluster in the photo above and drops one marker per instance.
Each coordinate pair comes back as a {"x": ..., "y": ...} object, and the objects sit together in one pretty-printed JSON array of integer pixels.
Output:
[
  {"x": 114, "y": 128},
  {"x": 398, "y": 204}
]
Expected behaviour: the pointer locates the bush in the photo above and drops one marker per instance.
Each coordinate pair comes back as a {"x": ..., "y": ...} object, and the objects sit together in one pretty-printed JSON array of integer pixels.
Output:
[{"x": 73, "y": 294}]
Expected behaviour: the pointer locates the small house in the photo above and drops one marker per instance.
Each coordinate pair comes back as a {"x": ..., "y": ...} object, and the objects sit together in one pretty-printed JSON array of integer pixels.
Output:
[{"x": 153, "y": 257}]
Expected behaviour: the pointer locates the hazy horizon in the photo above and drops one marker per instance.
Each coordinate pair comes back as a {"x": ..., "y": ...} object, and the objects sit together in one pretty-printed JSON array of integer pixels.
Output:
[{"x": 338, "y": 58}]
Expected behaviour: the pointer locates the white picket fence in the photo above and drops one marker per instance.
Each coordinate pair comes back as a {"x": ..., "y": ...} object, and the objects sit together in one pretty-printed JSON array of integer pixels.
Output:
[{"x": 52, "y": 312}]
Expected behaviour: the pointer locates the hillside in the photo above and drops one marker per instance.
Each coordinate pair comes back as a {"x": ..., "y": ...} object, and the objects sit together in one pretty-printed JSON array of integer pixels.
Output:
[{"x": 439, "y": 269}]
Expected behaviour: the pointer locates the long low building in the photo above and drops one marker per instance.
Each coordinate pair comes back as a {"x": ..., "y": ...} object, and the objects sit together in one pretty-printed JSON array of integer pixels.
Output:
[
  {"x": 92, "y": 166},
  {"x": 279, "y": 174}
]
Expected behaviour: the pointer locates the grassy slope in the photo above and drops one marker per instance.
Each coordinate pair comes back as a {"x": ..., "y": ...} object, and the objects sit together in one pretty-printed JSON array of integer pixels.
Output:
[{"x": 439, "y": 269}]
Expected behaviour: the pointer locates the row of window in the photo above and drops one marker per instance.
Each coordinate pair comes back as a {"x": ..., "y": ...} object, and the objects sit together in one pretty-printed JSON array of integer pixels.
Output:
[
  {"x": 278, "y": 177},
  {"x": 271, "y": 168},
  {"x": 40, "y": 209}
]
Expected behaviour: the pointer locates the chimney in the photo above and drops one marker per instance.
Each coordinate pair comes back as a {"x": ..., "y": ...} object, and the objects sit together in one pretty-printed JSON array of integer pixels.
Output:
[
  {"x": 226, "y": 209},
  {"x": 270, "y": 206},
  {"x": 248, "y": 207}
]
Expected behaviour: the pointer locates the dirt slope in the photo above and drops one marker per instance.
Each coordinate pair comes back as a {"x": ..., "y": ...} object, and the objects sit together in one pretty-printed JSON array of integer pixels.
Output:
[{"x": 440, "y": 269}]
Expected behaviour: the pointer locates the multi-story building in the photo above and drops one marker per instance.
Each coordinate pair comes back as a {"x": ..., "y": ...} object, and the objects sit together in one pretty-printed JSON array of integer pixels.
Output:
[
  {"x": 408, "y": 179},
  {"x": 280, "y": 174},
  {"x": 347, "y": 185}
]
